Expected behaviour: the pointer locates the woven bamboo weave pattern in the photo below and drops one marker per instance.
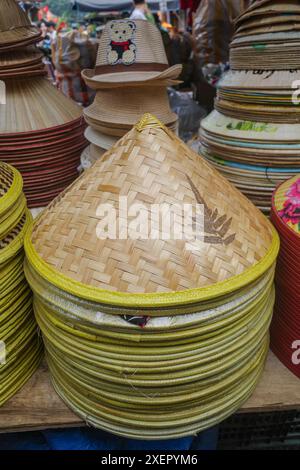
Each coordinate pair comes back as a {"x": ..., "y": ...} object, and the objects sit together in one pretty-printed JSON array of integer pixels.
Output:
[
  {"x": 150, "y": 166},
  {"x": 6, "y": 178}
]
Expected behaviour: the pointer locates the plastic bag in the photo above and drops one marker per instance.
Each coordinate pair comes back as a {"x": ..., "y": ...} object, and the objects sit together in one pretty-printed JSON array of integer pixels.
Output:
[{"x": 189, "y": 113}]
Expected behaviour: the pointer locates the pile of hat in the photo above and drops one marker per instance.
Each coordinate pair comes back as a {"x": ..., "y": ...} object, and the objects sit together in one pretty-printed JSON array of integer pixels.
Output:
[
  {"x": 285, "y": 331},
  {"x": 18, "y": 56},
  {"x": 252, "y": 137},
  {"x": 267, "y": 36},
  {"x": 130, "y": 78},
  {"x": 41, "y": 131},
  {"x": 150, "y": 334},
  {"x": 20, "y": 346}
]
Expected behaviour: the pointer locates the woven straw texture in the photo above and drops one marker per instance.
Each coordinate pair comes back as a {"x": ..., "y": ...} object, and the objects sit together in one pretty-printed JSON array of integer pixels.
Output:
[
  {"x": 150, "y": 48},
  {"x": 151, "y": 165},
  {"x": 15, "y": 26},
  {"x": 127, "y": 105},
  {"x": 26, "y": 56},
  {"x": 35, "y": 105},
  {"x": 100, "y": 140},
  {"x": 148, "y": 62}
]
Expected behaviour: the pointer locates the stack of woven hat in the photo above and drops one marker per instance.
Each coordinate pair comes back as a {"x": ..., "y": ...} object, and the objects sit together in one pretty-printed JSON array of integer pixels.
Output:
[
  {"x": 41, "y": 131},
  {"x": 285, "y": 332},
  {"x": 18, "y": 56},
  {"x": 20, "y": 347},
  {"x": 253, "y": 135},
  {"x": 148, "y": 334},
  {"x": 130, "y": 78}
]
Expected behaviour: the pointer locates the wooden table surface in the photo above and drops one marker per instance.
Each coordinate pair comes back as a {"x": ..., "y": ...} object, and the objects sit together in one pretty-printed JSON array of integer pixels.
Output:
[{"x": 37, "y": 406}]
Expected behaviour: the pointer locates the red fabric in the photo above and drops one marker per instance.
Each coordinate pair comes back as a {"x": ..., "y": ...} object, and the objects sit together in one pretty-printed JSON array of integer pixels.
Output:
[{"x": 124, "y": 44}]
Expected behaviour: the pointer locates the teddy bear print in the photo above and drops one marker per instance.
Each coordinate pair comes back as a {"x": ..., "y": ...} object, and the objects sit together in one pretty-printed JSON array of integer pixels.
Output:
[{"x": 122, "y": 49}]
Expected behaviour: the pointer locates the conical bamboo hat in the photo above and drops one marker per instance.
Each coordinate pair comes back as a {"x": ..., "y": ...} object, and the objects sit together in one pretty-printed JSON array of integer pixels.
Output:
[
  {"x": 33, "y": 105},
  {"x": 150, "y": 165},
  {"x": 15, "y": 26}
]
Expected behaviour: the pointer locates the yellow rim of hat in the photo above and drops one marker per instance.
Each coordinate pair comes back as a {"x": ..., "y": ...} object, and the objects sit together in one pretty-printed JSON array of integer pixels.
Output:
[
  {"x": 14, "y": 191},
  {"x": 12, "y": 248},
  {"x": 150, "y": 299}
]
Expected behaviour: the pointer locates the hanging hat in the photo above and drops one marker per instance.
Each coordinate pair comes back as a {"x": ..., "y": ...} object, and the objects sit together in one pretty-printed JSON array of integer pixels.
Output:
[
  {"x": 127, "y": 317},
  {"x": 125, "y": 106},
  {"x": 15, "y": 27},
  {"x": 130, "y": 52}
]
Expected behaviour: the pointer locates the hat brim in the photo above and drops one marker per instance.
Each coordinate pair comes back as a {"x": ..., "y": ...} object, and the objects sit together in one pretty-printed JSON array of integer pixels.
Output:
[
  {"x": 100, "y": 140},
  {"x": 219, "y": 124},
  {"x": 22, "y": 35},
  {"x": 129, "y": 78},
  {"x": 121, "y": 130},
  {"x": 267, "y": 80},
  {"x": 122, "y": 118}
]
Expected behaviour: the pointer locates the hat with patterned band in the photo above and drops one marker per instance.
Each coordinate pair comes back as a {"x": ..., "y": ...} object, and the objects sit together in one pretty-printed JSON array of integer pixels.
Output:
[{"x": 130, "y": 52}]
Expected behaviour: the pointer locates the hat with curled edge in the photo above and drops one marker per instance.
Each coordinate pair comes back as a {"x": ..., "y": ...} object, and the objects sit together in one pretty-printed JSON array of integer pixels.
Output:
[{"x": 130, "y": 52}]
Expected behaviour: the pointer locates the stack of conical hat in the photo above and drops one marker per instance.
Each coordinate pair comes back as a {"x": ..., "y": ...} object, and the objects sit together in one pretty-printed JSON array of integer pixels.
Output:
[
  {"x": 130, "y": 77},
  {"x": 15, "y": 27},
  {"x": 26, "y": 62},
  {"x": 285, "y": 331},
  {"x": 41, "y": 131},
  {"x": 252, "y": 137},
  {"x": 20, "y": 346},
  {"x": 18, "y": 56},
  {"x": 149, "y": 335},
  {"x": 267, "y": 36}
]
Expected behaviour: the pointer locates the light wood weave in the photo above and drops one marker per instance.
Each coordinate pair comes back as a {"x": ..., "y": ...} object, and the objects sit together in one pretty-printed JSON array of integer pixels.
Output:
[
  {"x": 151, "y": 165},
  {"x": 34, "y": 105}
]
